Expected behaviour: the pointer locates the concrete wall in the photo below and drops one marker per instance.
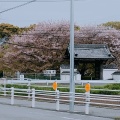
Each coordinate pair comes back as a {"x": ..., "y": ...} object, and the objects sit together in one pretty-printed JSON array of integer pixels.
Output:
[
  {"x": 107, "y": 73},
  {"x": 116, "y": 77},
  {"x": 67, "y": 76},
  {"x": 66, "y": 70}
]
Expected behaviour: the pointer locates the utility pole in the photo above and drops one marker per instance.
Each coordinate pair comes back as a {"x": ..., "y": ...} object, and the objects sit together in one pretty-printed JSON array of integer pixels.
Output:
[{"x": 72, "y": 84}]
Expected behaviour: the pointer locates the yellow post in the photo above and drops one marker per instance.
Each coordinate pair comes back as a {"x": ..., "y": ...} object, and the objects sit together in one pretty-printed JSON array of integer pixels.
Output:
[{"x": 54, "y": 86}]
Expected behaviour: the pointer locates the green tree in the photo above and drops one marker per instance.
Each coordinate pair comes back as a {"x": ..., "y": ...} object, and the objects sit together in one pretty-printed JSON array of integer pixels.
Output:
[
  {"x": 7, "y": 30},
  {"x": 112, "y": 24}
]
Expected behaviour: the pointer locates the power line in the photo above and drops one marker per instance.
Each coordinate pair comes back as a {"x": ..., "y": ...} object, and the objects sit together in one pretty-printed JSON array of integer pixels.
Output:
[
  {"x": 39, "y": 0},
  {"x": 28, "y": 2},
  {"x": 17, "y": 6}
]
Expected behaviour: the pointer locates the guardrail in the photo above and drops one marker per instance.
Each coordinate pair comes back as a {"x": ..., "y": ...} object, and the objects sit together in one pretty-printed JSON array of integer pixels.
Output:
[
  {"x": 58, "y": 97},
  {"x": 32, "y": 81}
]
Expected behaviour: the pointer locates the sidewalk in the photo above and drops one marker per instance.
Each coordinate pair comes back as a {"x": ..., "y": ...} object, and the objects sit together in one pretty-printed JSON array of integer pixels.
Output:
[{"x": 94, "y": 111}]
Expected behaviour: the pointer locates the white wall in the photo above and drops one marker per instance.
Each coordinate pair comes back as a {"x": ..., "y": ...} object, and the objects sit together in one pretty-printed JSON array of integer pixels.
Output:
[
  {"x": 67, "y": 76},
  {"x": 107, "y": 73},
  {"x": 116, "y": 77},
  {"x": 66, "y": 70},
  {"x": 78, "y": 77}
]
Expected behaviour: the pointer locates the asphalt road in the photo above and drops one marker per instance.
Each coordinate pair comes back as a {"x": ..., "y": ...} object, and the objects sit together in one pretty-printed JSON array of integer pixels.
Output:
[{"x": 8, "y": 112}]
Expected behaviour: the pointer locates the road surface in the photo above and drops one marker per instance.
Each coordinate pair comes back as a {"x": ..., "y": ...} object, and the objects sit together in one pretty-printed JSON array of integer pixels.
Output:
[{"x": 8, "y": 112}]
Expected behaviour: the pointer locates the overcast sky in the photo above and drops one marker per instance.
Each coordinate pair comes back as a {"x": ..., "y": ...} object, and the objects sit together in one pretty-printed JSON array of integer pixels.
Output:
[{"x": 86, "y": 12}]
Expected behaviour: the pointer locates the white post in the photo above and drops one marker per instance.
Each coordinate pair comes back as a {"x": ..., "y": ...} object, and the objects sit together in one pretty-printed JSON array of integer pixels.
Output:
[
  {"x": 82, "y": 83},
  {"x": 72, "y": 83},
  {"x": 12, "y": 95},
  {"x": 4, "y": 87},
  {"x": 87, "y": 99},
  {"x": 57, "y": 100},
  {"x": 33, "y": 97},
  {"x": 29, "y": 89},
  {"x": 18, "y": 75},
  {"x": 47, "y": 82}
]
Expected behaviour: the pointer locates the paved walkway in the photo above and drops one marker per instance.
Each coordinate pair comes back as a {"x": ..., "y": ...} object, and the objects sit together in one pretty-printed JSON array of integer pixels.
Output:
[
  {"x": 24, "y": 113},
  {"x": 23, "y": 107}
]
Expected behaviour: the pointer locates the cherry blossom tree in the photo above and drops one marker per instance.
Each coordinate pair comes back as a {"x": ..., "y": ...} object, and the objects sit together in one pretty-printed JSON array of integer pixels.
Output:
[
  {"x": 39, "y": 48},
  {"x": 44, "y": 46},
  {"x": 102, "y": 35}
]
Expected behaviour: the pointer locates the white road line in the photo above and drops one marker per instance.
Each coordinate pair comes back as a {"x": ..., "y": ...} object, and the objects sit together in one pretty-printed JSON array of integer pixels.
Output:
[{"x": 70, "y": 118}]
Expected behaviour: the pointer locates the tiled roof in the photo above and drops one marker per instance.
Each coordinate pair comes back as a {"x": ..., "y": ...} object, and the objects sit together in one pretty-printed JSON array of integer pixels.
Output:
[
  {"x": 110, "y": 66},
  {"x": 69, "y": 72},
  {"x": 66, "y": 66},
  {"x": 96, "y": 51},
  {"x": 116, "y": 73}
]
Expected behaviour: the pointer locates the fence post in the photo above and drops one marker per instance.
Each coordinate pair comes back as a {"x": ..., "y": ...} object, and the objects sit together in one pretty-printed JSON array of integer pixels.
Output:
[
  {"x": 57, "y": 100},
  {"x": 47, "y": 82},
  {"x": 12, "y": 95},
  {"x": 82, "y": 83},
  {"x": 33, "y": 97},
  {"x": 29, "y": 88},
  {"x": 87, "y": 99},
  {"x": 4, "y": 87}
]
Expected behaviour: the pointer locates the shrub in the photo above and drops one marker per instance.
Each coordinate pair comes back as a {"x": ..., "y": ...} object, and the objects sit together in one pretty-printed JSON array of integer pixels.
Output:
[
  {"x": 105, "y": 88},
  {"x": 115, "y": 86}
]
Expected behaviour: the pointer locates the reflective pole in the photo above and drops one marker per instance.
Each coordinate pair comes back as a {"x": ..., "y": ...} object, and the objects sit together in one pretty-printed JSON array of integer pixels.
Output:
[{"x": 72, "y": 84}]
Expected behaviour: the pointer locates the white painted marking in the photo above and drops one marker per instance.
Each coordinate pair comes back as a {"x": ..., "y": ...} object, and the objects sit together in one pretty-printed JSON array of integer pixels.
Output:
[{"x": 70, "y": 118}]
